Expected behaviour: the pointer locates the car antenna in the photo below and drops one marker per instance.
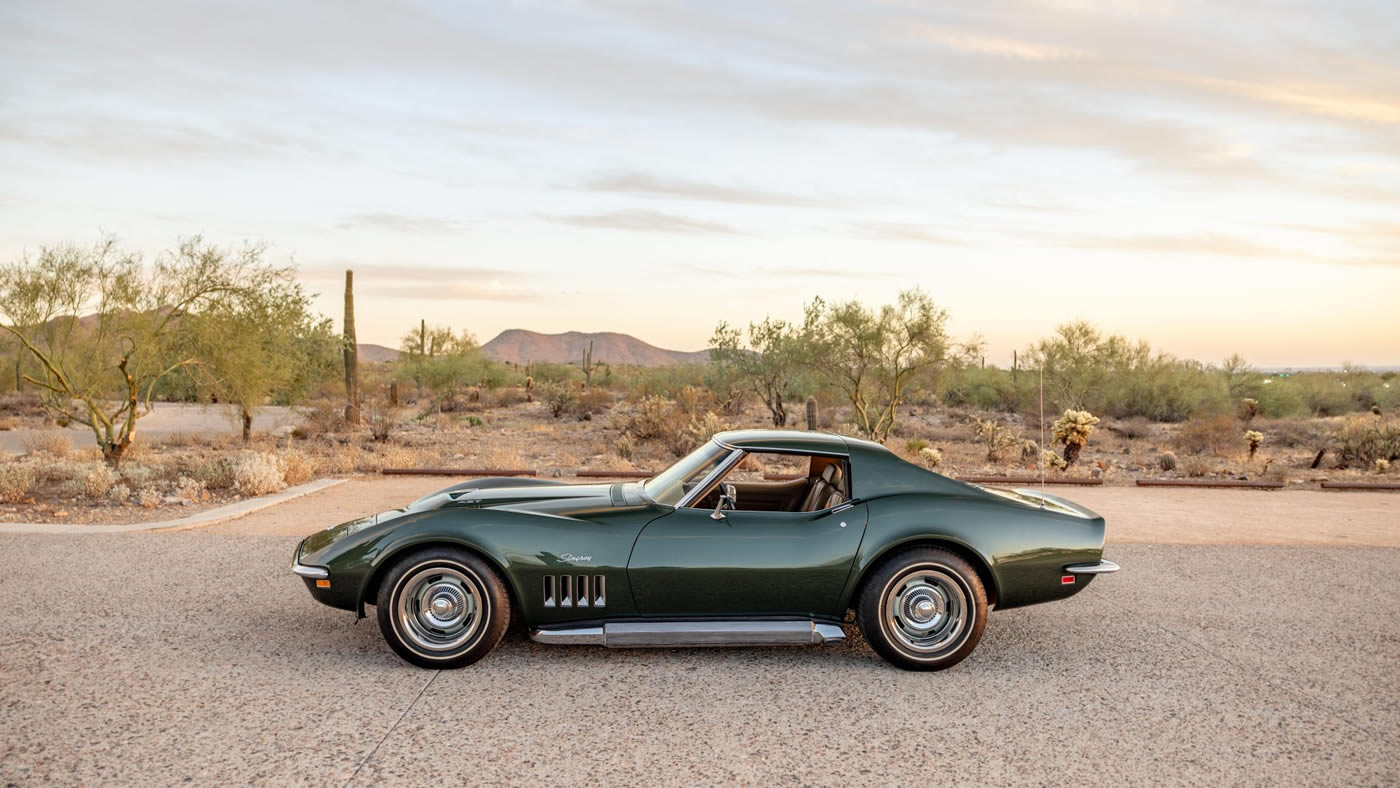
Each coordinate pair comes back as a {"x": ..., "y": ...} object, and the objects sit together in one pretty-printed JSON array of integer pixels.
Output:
[{"x": 1041, "y": 459}]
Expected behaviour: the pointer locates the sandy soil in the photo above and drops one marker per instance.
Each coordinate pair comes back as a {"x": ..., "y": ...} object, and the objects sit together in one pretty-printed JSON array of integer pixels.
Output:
[{"x": 1157, "y": 516}]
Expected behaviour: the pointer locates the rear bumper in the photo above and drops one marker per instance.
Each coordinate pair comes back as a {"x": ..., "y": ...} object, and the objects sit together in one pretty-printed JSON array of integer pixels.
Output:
[{"x": 1099, "y": 568}]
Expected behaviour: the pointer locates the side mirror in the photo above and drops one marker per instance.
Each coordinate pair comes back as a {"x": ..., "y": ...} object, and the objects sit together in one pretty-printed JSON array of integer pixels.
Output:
[{"x": 728, "y": 499}]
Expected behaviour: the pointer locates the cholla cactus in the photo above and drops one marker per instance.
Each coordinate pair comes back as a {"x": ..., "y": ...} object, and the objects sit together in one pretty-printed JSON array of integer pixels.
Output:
[
  {"x": 1073, "y": 430},
  {"x": 931, "y": 456},
  {"x": 1254, "y": 438},
  {"x": 1051, "y": 460},
  {"x": 1382, "y": 466},
  {"x": 1249, "y": 408}
]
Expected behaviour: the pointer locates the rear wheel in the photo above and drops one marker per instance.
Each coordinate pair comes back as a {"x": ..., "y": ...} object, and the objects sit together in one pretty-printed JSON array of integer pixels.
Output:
[
  {"x": 442, "y": 608},
  {"x": 923, "y": 609}
]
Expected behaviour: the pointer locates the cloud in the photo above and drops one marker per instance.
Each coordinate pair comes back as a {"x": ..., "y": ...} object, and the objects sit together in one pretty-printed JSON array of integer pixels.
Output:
[
  {"x": 646, "y": 221},
  {"x": 416, "y": 281},
  {"x": 1203, "y": 244},
  {"x": 644, "y": 184},
  {"x": 967, "y": 41},
  {"x": 401, "y": 223},
  {"x": 901, "y": 231}
]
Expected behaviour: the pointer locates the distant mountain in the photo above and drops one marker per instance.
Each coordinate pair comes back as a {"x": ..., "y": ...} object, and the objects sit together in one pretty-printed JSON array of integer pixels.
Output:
[
  {"x": 519, "y": 346},
  {"x": 370, "y": 352}
]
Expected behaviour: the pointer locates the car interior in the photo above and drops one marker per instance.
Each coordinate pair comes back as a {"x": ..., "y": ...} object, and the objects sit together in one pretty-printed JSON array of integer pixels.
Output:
[{"x": 824, "y": 486}]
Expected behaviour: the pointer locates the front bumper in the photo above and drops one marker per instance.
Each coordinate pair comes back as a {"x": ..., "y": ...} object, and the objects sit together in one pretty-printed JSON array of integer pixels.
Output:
[
  {"x": 311, "y": 572},
  {"x": 1099, "y": 568}
]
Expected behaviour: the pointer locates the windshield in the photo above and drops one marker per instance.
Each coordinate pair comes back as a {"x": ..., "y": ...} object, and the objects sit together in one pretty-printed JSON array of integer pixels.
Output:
[{"x": 671, "y": 485}]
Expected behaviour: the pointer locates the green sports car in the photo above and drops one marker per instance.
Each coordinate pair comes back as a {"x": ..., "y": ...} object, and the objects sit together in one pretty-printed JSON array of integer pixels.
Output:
[{"x": 716, "y": 550}]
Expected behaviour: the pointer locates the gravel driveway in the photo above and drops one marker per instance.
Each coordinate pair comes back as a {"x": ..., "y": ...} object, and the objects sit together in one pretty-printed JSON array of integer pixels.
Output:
[{"x": 159, "y": 658}]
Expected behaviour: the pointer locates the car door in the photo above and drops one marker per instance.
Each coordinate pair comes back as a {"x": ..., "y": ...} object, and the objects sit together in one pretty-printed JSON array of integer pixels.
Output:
[{"x": 686, "y": 563}]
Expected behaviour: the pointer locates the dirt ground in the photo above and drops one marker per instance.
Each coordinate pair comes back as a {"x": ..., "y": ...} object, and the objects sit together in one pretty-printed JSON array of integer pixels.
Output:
[
  {"x": 523, "y": 435},
  {"x": 1134, "y": 515}
]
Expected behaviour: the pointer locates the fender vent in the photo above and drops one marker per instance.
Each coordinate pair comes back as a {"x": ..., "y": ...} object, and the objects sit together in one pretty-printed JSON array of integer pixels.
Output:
[{"x": 575, "y": 591}]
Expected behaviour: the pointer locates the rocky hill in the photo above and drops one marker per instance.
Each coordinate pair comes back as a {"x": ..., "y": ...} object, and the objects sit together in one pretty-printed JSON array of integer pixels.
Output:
[{"x": 519, "y": 346}]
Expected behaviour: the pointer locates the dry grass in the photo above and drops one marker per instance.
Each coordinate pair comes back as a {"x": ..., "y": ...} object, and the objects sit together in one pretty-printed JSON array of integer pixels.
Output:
[
  {"x": 53, "y": 443},
  {"x": 1208, "y": 434}
]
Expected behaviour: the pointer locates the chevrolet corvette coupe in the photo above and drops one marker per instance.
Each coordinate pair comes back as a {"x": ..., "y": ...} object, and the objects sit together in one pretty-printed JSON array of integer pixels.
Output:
[{"x": 713, "y": 551}]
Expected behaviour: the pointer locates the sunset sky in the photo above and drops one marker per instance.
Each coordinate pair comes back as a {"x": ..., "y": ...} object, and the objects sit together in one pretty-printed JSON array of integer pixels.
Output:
[{"x": 1214, "y": 177}]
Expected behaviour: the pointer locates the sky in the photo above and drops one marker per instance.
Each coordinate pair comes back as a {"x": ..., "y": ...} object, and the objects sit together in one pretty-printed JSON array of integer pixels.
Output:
[{"x": 1211, "y": 177}]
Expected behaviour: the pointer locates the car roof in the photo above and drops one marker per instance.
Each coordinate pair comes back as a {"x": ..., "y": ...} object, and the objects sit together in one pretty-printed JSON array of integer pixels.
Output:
[{"x": 784, "y": 440}]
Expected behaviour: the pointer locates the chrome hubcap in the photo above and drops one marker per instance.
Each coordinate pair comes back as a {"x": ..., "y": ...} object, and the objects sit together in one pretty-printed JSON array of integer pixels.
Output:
[
  {"x": 439, "y": 607},
  {"x": 927, "y": 610}
]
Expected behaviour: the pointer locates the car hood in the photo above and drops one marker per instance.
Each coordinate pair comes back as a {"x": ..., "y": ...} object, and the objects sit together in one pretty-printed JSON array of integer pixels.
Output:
[{"x": 532, "y": 496}]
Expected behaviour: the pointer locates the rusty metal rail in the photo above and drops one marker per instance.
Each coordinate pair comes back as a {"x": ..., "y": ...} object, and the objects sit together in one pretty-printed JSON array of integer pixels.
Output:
[
  {"x": 1248, "y": 485},
  {"x": 1360, "y": 486},
  {"x": 614, "y": 474},
  {"x": 1082, "y": 481},
  {"x": 455, "y": 472}
]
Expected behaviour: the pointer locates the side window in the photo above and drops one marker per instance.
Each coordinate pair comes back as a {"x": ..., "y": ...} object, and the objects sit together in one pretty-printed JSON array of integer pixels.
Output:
[{"x": 774, "y": 482}]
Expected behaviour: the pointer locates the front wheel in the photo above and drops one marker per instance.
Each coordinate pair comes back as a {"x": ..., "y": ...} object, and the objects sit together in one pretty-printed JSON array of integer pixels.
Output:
[
  {"x": 923, "y": 609},
  {"x": 442, "y": 608}
]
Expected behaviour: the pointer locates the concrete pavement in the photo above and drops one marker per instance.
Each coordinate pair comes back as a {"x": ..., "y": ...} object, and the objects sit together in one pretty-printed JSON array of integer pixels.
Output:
[{"x": 159, "y": 658}]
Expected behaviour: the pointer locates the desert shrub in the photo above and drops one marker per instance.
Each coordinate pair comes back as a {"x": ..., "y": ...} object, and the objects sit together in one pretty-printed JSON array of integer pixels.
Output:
[
  {"x": 52, "y": 443},
  {"x": 915, "y": 445},
  {"x": 1052, "y": 461},
  {"x": 507, "y": 397},
  {"x": 474, "y": 421},
  {"x": 930, "y": 456},
  {"x": 190, "y": 489},
  {"x": 217, "y": 473},
  {"x": 592, "y": 402},
  {"x": 502, "y": 459},
  {"x": 998, "y": 440},
  {"x": 1281, "y": 399},
  {"x": 298, "y": 467},
  {"x": 1133, "y": 428},
  {"x": 699, "y": 429},
  {"x": 1166, "y": 461},
  {"x": 148, "y": 497},
  {"x": 119, "y": 494},
  {"x": 136, "y": 475},
  {"x": 624, "y": 447},
  {"x": 1324, "y": 394},
  {"x": 1382, "y": 465},
  {"x": 382, "y": 417},
  {"x": 257, "y": 473},
  {"x": 1073, "y": 430},
  {"x": 1363, "y": 439},
  {"x": 1293, "y": 433},
  {"x": 1201, "y": 434},
  {"x": 653, "y": 418},
  {"x": 319, "y": 418},
  {"x": 98, "y": 480},
  {"x": 559, "y": 397},
  {"x": 16, "y": 479},
  {"x": 1196, "y": 466}
]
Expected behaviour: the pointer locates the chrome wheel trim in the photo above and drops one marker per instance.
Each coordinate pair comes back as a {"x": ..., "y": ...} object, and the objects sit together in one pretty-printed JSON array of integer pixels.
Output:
[
  {"x": 440, "y": 607},
  {"x": 928, "y": 611}
]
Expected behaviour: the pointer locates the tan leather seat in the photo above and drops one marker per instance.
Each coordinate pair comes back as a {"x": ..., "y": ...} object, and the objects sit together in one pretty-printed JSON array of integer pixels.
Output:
[{"x": 825, "y": 488}]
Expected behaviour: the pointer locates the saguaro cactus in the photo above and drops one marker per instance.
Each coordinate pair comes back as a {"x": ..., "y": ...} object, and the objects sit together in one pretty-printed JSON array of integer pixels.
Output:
[
  {"x": 352, "y": 355},
  {"x": 588, "y": 366},
  {"x": 811, "y": 413}
]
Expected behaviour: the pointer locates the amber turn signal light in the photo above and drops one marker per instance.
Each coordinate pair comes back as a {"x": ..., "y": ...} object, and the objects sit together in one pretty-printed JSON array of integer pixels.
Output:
[{"x": 323, "y": 584}]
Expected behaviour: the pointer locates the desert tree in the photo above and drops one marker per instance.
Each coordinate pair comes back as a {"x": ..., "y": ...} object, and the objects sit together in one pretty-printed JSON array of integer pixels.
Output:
[
  {"x": 262, "y": 344},
  {"x": 768, "y": 363},
  {"x": 872, "y": 355},
  {"x": 420, "y": 346},
  {"x": 101, "y": 326}
]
